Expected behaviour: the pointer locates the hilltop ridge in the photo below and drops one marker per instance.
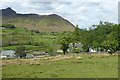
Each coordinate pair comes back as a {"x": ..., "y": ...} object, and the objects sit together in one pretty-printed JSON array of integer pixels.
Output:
[{"x": 45, "y": 23}]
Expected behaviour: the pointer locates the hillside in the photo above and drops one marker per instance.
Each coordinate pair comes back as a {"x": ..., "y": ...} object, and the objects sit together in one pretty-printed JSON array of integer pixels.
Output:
[{"x": 44, "y": 23}]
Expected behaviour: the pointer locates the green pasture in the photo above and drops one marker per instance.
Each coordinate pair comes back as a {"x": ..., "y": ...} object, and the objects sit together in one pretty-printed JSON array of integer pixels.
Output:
[{"x": 100, "y": 66}]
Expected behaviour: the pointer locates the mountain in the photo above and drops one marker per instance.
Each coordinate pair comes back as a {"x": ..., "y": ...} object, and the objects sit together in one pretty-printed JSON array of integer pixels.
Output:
[
  {"x": 8, "y": 12},
  {"x": 45, "y": 23}
]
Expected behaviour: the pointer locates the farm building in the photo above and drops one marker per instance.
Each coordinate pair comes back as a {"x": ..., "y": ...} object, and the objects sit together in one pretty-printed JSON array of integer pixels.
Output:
[
  {"x": 29, "y": 56},
  {"x": 11, "y": 54},
  {"x": 92, "y": 50},
  {"x": 7, "y": 54}
]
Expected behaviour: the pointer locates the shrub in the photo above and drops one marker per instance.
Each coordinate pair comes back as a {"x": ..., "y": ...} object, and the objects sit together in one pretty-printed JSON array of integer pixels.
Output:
[
  {"x": 11, "y": 26},
  {"x": 51, "y": 49},
  {"x": 76, "y": 50},
  {"x": 20, "y": 51},
  {"x": 35, "y": 31}
]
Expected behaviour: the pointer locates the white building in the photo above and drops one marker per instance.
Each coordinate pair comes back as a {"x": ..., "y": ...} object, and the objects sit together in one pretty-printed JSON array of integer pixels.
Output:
[
  {"x": 7, "y": 54},
  {"x": 92, "y": 50}
]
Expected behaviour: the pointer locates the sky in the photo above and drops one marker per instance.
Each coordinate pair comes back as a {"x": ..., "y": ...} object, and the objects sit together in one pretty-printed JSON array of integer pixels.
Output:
[{"x": 81, "y": 12}]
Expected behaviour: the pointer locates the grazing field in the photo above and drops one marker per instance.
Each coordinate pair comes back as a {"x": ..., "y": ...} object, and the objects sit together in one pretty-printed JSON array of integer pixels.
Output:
[
  {"x": 63, "y": 66},
  {"x": 32, "y": 39}
]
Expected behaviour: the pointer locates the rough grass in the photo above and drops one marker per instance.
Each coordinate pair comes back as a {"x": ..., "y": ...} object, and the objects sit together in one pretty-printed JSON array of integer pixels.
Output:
[
  {"x": 27, "y": 47},
  {"x": 63, "y": 66},
  {"x": 46, "y": 24},
  {"x": 26, "y": 37}
]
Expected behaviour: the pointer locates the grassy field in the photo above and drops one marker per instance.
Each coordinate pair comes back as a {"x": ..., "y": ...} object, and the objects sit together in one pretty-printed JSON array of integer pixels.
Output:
[
  {"x": 63, "y": 66},
  {"x": 60, "y": 66},
  {"x": 45, "y": 24},
  {"x": 33, "y": 41}
]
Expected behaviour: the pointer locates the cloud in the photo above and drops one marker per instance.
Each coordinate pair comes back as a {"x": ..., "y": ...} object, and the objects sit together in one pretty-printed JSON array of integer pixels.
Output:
[{"x": 81, "y": 12}]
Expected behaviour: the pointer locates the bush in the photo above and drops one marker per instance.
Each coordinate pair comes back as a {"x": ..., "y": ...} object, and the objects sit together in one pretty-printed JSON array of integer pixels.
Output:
[
  {"x": 77, "y": 50},
  {"x": 51, "y": 49},
  {"x": 11, "y": 26},
  {"x": 20, "y": 51},
  {"x": 35, "y": 31}
]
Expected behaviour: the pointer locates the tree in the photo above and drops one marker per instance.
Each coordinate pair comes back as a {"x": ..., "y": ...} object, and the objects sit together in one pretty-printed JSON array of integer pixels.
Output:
[
  {"x": 64, "y": 41},
  {"x": 87, "y": 40},
  {"x": 75, "y": 39},
  {"x": 95, "y": 45},
  {"x": 76, "y": 35},
  {"x": 117, "y": 29},
  {"x": 111, "y": 43},
  {"x": 20, "y": 51},
  {"x": 100, "y": 33}
]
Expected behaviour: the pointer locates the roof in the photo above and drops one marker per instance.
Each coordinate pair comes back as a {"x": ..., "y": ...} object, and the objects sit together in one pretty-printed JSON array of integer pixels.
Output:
[{"x": 7, "y": 52}]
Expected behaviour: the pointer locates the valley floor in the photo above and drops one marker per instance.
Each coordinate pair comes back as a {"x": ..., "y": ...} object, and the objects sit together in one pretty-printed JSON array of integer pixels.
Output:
[{"x": 62, "y": 66}]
